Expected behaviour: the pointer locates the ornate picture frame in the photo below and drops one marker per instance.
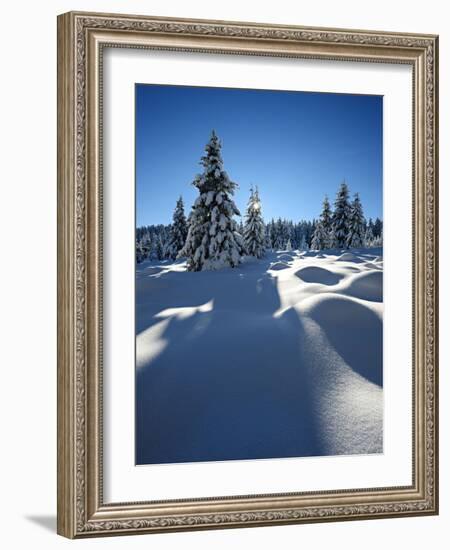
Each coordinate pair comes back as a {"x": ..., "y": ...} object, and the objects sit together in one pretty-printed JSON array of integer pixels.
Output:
[{"x": 82, "y": 38}]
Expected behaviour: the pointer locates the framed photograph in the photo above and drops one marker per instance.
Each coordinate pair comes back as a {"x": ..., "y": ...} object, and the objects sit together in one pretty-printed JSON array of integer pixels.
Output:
[{"x": 247, "y": 274}]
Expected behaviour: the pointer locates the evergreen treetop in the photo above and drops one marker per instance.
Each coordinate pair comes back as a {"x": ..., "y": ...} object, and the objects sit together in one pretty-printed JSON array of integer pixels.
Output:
[
  {"x": 213, "y": 241},
  {"x": 355, "y": 237},
  {"x": 254, "y": 229},
  {"x": 341, "y": 216},
  {"x": 178, "y": 231}
]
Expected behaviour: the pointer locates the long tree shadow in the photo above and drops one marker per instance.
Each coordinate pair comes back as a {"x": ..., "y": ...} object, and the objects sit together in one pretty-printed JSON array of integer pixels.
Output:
[
  {"x": 355, "y": 332},
  {"x": 229, "y": 383}
]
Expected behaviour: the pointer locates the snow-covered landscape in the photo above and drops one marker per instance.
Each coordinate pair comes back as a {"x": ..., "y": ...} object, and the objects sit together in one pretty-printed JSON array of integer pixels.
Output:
[
  {"x": 279, "y": 357},
  {"x": 261, "y": 338}
]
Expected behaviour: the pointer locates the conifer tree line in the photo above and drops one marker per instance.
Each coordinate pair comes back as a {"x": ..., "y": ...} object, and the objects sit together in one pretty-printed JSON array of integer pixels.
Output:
[
  {"x": 345, "y": 226},
  {"x": 210, "y": 237}
]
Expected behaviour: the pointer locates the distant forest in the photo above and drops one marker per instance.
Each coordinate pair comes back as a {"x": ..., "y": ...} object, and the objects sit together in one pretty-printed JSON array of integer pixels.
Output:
[{"x": 153, "y": 241}]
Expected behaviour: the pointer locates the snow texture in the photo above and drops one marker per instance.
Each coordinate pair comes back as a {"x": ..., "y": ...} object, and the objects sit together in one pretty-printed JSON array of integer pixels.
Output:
[{"x": 260, "y": 362}]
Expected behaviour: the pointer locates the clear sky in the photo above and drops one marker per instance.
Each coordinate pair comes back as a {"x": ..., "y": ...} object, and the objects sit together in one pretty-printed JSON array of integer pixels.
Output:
[{"x": 296, "y": 146}]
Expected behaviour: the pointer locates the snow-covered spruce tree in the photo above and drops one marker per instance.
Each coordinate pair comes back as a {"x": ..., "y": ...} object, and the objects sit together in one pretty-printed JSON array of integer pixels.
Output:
[
  {"x": 178, "y": 231},
  {"x": 303, "y": 244},
  {"x": 268, "y": 236},
  {"x": 331, "y": 238},
  {"x": 213, "y": 241},
  {"x": 322, "y": 234},
  {"x": 326, "y": 217},
  {"x": 320, "y": 237},
  {"x": 377, "y": 228},
  {"x": 160, "y": 251},
  {"x": 341, "y": 217},
  {"x": 140, "y": 254},
  {"x": 326, "y": 221},
  {"x": 368, "y": 237},
  {"x": 377, "y": 241},
  {"x": 254, "y": 229},
  {"x": 143, "y": 248},
  {"x": 289, "y": 232},
  {"x": 355, "y": 238},
  {"x": 279, "y": 235}
]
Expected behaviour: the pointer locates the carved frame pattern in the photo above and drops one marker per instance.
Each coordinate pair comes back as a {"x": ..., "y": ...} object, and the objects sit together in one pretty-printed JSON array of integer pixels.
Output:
[{"x": 81, "y": 37}]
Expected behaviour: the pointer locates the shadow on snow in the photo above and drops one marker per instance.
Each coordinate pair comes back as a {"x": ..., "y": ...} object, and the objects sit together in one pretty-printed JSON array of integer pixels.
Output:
[{"x": 229, "y": 383}]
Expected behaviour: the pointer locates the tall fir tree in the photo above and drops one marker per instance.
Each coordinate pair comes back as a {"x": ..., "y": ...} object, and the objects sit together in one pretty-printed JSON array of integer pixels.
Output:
[
  {"x": 341, "y": 217},
  {"x": 326, "y": 219},
  {"x": 320, "y": 237},
  {"x": 310, "y": 228},
  {"x": 140, "y": 253},
  {"x": 303, "y": 245},
  {"x": 368, "y": 237},
  {"x": 213, "y": 241},
  {"x": 178, "y": 231},
  {"x": 378, "y": 241},
  {"x": 159, "y": 248},
  {"x": 355, "y": 237},
  {"x": 377, "y": 228},
  {"x": 279, "y": 235},
  {"x": 268, "y": 236},
  {"x": 254, "y": 229},
  {"x": 331, "y": 238}
]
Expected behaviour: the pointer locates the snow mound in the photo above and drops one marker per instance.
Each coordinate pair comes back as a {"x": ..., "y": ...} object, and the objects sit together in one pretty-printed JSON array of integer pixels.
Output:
[
  {"x": 278, "y": 266},
  {"x": 313, "y": 274},
  {"x": 285, "y": 258},
  {"x": 259, "y": 364},
  {"x": 349, "y": 257},
  {"x": 355, "y": 332},
  {"x": 366, "y": 286}
]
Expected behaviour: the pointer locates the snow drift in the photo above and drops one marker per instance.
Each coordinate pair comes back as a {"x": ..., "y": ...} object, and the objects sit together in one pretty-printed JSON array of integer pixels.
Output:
[
  {"x": 314, "y": 274},
  {"x": 271, "y": 359}
]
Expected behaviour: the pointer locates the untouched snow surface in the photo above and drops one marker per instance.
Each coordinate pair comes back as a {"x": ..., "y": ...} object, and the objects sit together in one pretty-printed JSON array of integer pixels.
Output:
[{"x": 279, "y": 357}]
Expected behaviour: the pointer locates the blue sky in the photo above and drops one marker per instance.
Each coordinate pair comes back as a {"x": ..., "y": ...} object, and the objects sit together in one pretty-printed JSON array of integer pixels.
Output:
[{"x": 296, "y": 146}]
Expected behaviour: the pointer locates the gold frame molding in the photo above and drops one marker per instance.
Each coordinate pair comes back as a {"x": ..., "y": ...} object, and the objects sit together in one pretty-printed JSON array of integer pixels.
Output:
[{"x": 81, "y": 39}]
